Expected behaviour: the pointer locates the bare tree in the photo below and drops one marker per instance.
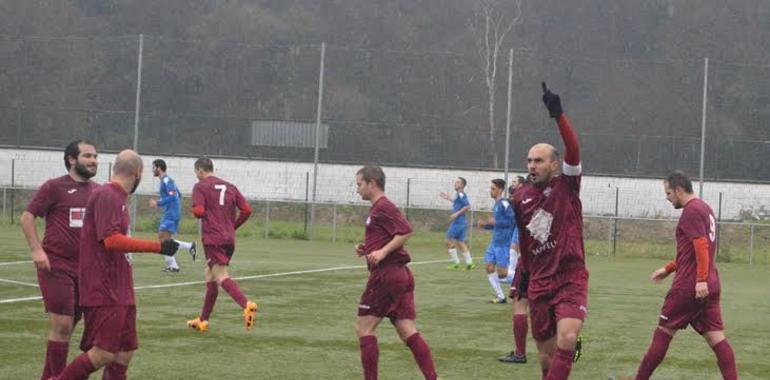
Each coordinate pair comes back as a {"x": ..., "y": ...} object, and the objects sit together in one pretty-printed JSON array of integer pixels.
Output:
[{"x": 489, "y": 26}]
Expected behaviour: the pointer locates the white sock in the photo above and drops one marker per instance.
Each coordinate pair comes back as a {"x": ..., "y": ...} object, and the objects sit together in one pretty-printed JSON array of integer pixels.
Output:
[
  {"x": 495, "y": 282},
  {"x": 514, "y": 261},
  {"x": 170, "y": 262},
  {"x": 184, "y": 244},
  {"x": 453, "y": 255},
  {"x": 467, "y": 257}
]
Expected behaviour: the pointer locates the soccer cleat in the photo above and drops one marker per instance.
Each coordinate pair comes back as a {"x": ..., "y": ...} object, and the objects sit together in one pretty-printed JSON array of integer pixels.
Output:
[
  {"x": 197, "y": 324},
  {"x": 249, "y": 313},
  {"x": 470, "y": 266},
  {"x": 578, "y": 348},
  {"x": 454, "y": 266},
  {"x": 499, "y": 300},
  {"x": 171, "y": 270},
  {"x": 513, "y": 358},
  {"x": 193, "y": 251}
]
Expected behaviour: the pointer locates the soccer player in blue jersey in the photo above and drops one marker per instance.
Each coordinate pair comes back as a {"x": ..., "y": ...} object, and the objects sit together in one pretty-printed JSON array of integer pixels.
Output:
[
  {"x": 171, "y": 202},
  {"x": 456, "y": 235},
  {"x": 497, "y": 256}
]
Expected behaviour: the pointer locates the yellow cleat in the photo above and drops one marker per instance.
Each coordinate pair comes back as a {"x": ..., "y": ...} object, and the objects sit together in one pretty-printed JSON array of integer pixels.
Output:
[
  {"x": 249, "y": 314},
  {"x": 197, "y": 324}
]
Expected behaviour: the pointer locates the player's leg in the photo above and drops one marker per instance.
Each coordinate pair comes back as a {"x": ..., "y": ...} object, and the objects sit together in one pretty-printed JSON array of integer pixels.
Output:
[
  {"x": 118, "y": 369},
  {"x": 222, "y": 277},
  {"x": 452, "y": 250},
  {"x": 164, "y": 232},
  {"x": 661, "y": 339},
  {"x": 60, "y": 300},
  {"x": 724, "y": 353},
  {"x": 201, "y": 323},
  {"x": 367, "y": 342},
  {"x": 546, "y": 349},
  {"x": 466, "y": 254},
  {"x": 502, "y": 260},
  {"x": 407, "y": 331},
  {"x": 567, "y": 331},
  {"x": 490, "y": 260},
  {"x": 520, "y": 307}
]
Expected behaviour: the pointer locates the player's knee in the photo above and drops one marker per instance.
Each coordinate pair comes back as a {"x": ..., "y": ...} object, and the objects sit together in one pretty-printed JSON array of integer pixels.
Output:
[
  {"x": 362, "y": 330},
  {"x": 124, "y": 357},
  {"x": 567, "y": 339},
  {"x": 100, "y": 358}
]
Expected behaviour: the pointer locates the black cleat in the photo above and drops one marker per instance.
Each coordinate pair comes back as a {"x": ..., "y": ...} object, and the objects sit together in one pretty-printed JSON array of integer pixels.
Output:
[
  {"x": 193, "y": 251},
  {"x": 171, "y": 270},
  {"x": 499, "y": 300},
  {"x": 578, "y": 348},
  {"x": 513, "y": 358}
]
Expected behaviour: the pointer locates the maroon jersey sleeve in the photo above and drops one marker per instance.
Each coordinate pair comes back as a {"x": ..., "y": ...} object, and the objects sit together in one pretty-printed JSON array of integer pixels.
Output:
[
  {"x": 108, "y": 215},
  {"x": 42, "y": 201},
  {"x": 393, "y": 221}
]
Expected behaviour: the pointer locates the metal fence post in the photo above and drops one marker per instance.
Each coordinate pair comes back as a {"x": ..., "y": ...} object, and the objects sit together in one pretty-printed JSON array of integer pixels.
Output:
[
  {"x": 470, "y": 232},
  {"x": 408, "y": 185},
  {"x": 5, "y": 211},
  {"x": 751, "y": 245},
  {"x": 13, "y": 189},
  {"x": 307, "y": 195},
  {"x": 719, "y": 225},
  {"x": 615, "y": 222},
  {"x": 334, "y": 223},
  {"x": 267, "y": 219}
]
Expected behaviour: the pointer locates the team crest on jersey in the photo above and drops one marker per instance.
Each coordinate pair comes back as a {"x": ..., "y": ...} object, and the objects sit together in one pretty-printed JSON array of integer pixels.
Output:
[
  {"x": 76, "y": 216},
  {"x": 540, "y": 225}
]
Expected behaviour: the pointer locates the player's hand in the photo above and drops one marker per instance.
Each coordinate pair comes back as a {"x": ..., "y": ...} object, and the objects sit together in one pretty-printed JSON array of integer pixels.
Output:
[
  {"x": 153, "y": 203},
  {"x": 701, "y": 290},
  {"x": 168, "y": 247},
  {"x": 659, "y": 275},
  {"x": 360, "y": 249},
  {"x": 444, "y": 195},
  {"x": 552, "y": 102},
  {"x": 40, "y": 258},
  {"x": 452, "y": 217},
  {"x": 376, "y": 256}
]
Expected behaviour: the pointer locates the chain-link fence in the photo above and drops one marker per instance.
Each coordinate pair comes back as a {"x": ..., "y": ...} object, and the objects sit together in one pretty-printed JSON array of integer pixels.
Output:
[{"x": 635, "y": 117}]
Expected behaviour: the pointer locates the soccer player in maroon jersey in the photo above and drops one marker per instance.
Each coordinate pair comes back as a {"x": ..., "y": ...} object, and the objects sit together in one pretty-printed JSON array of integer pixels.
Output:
[
  {"x": 694, "y": 296},
  {"x": 62, "y": 202},
  {"x": 550, "y": 220},
  {"x": 105, "y": 279},
  {"x": 390, "y": 289},
  {"x": 215, "y": 202}
]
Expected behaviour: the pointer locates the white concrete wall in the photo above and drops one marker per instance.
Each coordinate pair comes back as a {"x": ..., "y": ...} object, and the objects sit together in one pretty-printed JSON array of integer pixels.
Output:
[{"x": 286, "y": 181}]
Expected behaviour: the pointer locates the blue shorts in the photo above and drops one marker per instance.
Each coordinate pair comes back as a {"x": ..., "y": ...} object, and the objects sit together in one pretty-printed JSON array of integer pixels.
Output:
[
  {"x": 456, "y": 232},
  {"x": 498, "y": 255},
  {"x": 169, "y": 225}
]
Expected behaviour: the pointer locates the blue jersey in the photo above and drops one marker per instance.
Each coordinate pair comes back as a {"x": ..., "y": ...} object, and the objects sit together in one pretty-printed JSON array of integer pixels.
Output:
[
  {"x": 170, "y": 199},
  {"x": 461, "y": 200},
  {"x": 515, "y": 236},
  {"x": 505, "y": 222}
]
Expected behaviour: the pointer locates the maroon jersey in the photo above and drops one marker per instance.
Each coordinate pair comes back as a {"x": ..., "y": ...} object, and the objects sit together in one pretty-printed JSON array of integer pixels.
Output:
[
  {"x": 697, "y": 220},
  {"x": 105, "y": 277},
  {"x": 384, "y": 222},
  {"x": 220, "y": 200},
  {"x": 62, "y": 202},
  {"x": 550, "y": 222}
]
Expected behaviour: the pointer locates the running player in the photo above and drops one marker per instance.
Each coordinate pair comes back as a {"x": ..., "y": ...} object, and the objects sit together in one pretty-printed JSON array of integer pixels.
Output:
[
  {"x": 215, "y": 202},
  {"x": 456, "y": 235},
  {"x": 498, "y": 255},
  {"x": 390, "y": 289},
  {"x": 62, "y": 202}
]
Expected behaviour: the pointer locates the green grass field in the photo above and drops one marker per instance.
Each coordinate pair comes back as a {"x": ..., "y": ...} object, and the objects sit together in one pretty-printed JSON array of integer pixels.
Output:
[{"x": 305, "y": 326}]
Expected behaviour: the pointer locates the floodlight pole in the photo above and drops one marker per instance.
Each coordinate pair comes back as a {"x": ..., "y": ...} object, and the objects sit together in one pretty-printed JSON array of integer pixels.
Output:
[
  {"x": 508, "y": 117},
  {"x": 132, "y": 228},
  {"x": 319, "y": 112},
  {"x": 703, "y": 122}
]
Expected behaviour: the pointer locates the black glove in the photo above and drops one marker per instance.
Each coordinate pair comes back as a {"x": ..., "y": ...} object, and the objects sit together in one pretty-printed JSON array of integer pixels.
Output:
[
  {"x": 552, "y": 102},
  {"x": 168, "y": 247}
]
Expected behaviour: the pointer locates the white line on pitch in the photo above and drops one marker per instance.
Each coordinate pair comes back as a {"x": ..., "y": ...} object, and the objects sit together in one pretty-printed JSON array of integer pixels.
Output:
[
  {"x": 18, "y": 283},
  {"x": 176, "y": 284},
  {"x": 15, "y": 263}
]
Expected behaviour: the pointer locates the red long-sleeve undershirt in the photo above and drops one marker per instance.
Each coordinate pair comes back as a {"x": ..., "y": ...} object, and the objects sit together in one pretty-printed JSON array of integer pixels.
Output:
[
  {"x": 568, "y": 136},
  {"x": 701, "y": 246},
  {"x": 122, "y": 243}
]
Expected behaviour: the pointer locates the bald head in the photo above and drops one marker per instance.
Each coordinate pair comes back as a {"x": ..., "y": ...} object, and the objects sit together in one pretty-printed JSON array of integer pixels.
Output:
[
  {"x": 127, "y": 163},
  {"x": 542, "y": 163},
  {"x": 544, "y": 150}
]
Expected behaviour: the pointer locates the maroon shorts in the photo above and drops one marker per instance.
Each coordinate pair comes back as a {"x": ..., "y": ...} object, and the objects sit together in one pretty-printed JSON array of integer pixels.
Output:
[
  {"x": 218, "y": 254},
  {"x": 111, "y": 328},
  {"x": 681, "y": 309},
  {"x": 60, "y": 291},
  {"x": 566, "y": 298},
  {"x": 389, "y": 293}
]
